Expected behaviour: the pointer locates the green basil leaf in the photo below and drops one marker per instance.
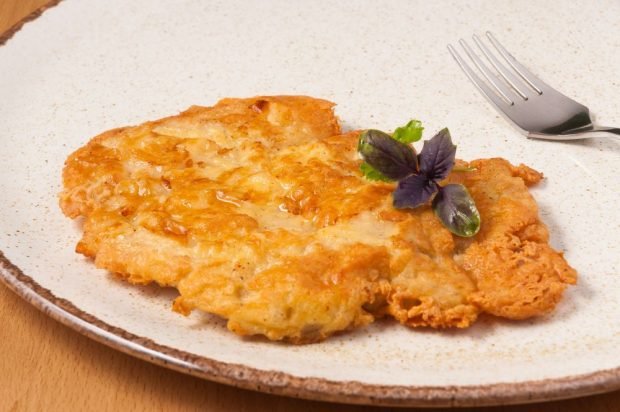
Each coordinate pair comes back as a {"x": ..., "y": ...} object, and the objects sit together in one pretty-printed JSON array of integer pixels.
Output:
[
  {"x": 457, "y": 211},
  {"x": 391, "y": 158},
  {"x": 372, "y": 174},
  {"x": 411, "y": 132}
]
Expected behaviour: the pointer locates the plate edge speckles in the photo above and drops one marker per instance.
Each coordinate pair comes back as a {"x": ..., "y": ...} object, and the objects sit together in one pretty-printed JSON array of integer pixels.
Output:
[{"x": 6, "y": 36}]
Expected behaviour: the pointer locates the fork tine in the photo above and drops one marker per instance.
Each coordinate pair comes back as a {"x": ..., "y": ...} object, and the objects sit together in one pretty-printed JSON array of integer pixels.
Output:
[
  {"x": 481, "y": 85},
  {"x": 503, "y": 71},
  {"x": 501, "y": 88},
  {"x": 525, "y": 74}
]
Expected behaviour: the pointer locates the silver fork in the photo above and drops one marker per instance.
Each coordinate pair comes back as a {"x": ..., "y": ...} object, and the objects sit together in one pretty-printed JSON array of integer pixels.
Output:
[{"x": 533, "y": 107}]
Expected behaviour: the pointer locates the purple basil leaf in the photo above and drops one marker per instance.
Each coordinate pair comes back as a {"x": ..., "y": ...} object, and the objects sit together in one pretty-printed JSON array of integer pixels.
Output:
[
  {"x": 413, "y": 191},
  {"x": 457, "y": 210},
  {"x": 437, "y": 156},
  {"x": 391, "y": 158}
]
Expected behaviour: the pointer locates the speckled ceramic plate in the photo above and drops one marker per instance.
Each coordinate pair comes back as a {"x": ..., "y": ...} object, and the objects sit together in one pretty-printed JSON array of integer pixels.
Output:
[{"x": 88, "y": 66}]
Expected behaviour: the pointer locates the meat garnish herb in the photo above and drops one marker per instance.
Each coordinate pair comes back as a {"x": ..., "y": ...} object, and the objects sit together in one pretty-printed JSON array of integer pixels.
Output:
[{"x": 393, "y": 158}]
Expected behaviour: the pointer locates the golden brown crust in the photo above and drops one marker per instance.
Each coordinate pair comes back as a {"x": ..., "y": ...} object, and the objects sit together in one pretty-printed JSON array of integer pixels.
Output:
[
  {"x": 518, "y": 275},
  {"x": 255, "y": 210}
]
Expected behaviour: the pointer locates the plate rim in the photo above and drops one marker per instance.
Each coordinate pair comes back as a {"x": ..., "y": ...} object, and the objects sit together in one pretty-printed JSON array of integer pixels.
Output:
[
  {"x": 17, "y": 26},
  {"x": 280, "y": 383},
  {"x": 311, "y": 388}
]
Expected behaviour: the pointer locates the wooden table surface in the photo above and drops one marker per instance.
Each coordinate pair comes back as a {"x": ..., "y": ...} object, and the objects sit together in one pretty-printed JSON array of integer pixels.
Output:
[{"x": 47, "y": 366}]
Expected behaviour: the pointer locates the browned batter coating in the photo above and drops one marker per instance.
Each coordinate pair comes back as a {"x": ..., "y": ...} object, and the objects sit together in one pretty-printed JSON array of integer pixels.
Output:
[{"x": 255, "y": 210}]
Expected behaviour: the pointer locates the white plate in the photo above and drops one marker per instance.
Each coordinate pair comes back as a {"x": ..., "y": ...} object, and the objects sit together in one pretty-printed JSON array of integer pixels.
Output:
[{"x": 88, "y": 66}]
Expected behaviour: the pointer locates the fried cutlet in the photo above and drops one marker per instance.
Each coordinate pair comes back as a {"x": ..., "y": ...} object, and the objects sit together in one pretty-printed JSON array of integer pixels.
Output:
[{"x": 256, "y": 211}]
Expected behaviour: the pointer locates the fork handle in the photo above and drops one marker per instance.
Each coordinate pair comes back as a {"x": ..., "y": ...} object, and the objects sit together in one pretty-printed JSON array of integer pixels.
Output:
[
  {"x": 594, "y": 131},
  {"x": 601, "y": 131},
  {"x": 612, "y": 130}
]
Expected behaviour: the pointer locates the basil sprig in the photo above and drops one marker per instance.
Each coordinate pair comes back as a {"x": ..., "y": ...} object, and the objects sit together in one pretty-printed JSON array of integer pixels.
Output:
[{"x": 391, "y": 158}]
